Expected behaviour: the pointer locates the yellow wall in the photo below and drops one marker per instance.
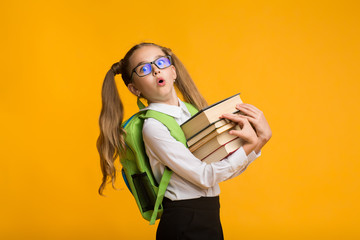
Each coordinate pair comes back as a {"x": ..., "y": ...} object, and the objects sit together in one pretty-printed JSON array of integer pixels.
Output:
[{"x": 296, "y": 61}]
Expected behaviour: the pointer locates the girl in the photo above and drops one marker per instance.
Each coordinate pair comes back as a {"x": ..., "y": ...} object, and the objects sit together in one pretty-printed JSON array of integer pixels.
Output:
[{"x": 191, "y": 203}]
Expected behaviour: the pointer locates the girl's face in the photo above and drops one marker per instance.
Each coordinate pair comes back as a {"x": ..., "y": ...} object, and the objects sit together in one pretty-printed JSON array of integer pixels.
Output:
[{"x": 158, "y": 86}]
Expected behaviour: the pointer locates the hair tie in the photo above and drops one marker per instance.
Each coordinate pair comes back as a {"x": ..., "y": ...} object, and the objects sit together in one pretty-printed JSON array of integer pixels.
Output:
[{"x": 116, "y": 67}]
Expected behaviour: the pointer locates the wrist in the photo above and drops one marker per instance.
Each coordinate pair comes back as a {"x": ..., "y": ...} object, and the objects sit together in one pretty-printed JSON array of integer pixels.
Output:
[
  {"x": 265, "y": 137},
  {"x": 261, "y": 142},
  {"x": 250, "y": 146}
]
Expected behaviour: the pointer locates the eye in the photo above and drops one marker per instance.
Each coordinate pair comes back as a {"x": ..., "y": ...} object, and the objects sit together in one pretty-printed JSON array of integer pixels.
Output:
[
  {"x": 145, "y": 69},
  {"x": 163, "y": 62}
]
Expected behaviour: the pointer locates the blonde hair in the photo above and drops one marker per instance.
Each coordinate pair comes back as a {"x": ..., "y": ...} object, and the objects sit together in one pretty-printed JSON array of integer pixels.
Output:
[{"x": 111, "y": 141}]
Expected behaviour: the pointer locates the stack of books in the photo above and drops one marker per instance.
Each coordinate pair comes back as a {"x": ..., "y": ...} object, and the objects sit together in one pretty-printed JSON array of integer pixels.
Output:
[{"x": 208, "y": 136}]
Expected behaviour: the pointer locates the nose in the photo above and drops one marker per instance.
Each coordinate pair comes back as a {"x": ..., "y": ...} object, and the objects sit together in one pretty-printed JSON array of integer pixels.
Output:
[{"x": 155, "y": 69}]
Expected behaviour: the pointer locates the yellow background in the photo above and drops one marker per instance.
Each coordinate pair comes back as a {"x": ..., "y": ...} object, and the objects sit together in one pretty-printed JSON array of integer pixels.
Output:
[{"x": 297, "y": 61}]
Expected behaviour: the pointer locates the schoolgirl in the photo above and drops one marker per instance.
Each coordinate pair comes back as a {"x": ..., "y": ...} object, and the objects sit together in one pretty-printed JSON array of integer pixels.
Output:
[{"x": 191, "y": 203}]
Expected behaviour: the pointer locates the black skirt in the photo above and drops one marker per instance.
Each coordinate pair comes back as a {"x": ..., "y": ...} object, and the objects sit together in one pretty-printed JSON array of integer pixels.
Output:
[{"x": 195, "y": 219}]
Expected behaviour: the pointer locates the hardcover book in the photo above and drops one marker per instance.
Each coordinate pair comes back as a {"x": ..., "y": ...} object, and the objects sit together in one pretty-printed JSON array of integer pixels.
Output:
[
  {"x": 208, "y": 136},
  {"x": 210, "y": 115},
  {"x": 224, "y": 151}
]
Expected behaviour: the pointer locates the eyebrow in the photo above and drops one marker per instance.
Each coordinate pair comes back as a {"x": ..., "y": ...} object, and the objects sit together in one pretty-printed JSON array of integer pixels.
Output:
[{"x": 151, "y": 61}]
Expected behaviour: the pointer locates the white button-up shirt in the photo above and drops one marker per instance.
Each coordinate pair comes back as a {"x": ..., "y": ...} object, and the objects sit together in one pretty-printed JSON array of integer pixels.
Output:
[{"x": 191, "y": 177}]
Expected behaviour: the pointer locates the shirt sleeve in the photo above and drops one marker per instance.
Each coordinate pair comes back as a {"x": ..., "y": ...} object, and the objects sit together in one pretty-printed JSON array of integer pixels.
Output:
[{"x": 161, "y": 146}]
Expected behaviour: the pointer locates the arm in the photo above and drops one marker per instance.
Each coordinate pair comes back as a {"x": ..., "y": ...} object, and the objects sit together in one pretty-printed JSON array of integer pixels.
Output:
[{"x": 165, "y": 149}]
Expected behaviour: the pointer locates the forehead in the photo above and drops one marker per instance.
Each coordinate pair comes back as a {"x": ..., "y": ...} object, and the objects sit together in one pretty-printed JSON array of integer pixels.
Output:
[{"x": 145, "y": 54}]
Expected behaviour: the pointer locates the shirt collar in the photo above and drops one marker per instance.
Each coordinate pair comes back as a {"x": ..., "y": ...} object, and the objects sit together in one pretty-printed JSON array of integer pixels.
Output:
[{"x": 171, "y": 110}]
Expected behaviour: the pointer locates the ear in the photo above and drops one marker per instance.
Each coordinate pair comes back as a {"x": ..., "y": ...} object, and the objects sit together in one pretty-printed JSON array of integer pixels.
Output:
[
  {"x": 133, "y": 89},
  {"x": 173, "y": 70}
]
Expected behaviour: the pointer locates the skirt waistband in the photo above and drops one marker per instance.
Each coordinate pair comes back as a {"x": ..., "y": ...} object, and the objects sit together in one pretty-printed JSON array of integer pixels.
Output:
[{"x": 206, "y": 203}]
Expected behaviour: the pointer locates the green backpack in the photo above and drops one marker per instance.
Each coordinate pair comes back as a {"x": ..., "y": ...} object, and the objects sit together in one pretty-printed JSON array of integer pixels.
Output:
[{"x": 136, "y": 169}]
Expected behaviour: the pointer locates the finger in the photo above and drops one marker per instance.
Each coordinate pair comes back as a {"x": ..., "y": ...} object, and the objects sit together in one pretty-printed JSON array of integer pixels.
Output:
[
  {"x": 239, "y": 134},
  {"x": 250, "y": 123},
  {"x": 251, "y": 119},
  {"x": 244, "y": 133},
  {"x": 245, "y": 110},
  {"x": 251, "y": 108},
  {"x": 233, "y": 117},
  {"x": 239, "y": 120}
]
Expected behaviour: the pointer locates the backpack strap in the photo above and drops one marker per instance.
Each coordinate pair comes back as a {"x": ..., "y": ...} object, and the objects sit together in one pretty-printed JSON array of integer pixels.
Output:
[
  {"x": 140, "y": 104},
  {"x": 191, "y": 108},
  {"x": 178, "y": 134},
  {"x": 170, "y": 123},
  {"x": 164, "y": 182}
]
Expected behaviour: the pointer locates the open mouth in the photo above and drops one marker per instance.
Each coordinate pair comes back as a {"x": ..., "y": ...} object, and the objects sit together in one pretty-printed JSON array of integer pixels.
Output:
[{"x": 161, "y": 82}]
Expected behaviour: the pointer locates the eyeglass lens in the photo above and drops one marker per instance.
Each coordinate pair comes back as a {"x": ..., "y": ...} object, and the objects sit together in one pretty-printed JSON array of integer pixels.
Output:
[{"x": 146, "y": 68}]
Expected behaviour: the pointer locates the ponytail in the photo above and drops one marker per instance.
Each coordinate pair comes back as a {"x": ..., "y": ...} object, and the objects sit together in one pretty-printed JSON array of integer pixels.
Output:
[
  {"x": 187, "y": 86},
  {"x": 110, "y": 142}
]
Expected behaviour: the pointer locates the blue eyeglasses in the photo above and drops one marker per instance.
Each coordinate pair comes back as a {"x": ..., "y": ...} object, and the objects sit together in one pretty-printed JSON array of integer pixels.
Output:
[{"x": 144, "y": 69}]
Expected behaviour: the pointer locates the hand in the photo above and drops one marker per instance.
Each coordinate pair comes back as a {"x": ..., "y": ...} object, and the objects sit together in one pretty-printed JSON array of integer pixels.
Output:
[
  {"x": 246, "y": 132},
  {"x": 258, "y": 121}
]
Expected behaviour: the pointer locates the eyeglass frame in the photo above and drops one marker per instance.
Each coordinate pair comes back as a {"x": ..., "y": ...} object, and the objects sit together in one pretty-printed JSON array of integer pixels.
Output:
[{"x": 151, "y": 63}]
